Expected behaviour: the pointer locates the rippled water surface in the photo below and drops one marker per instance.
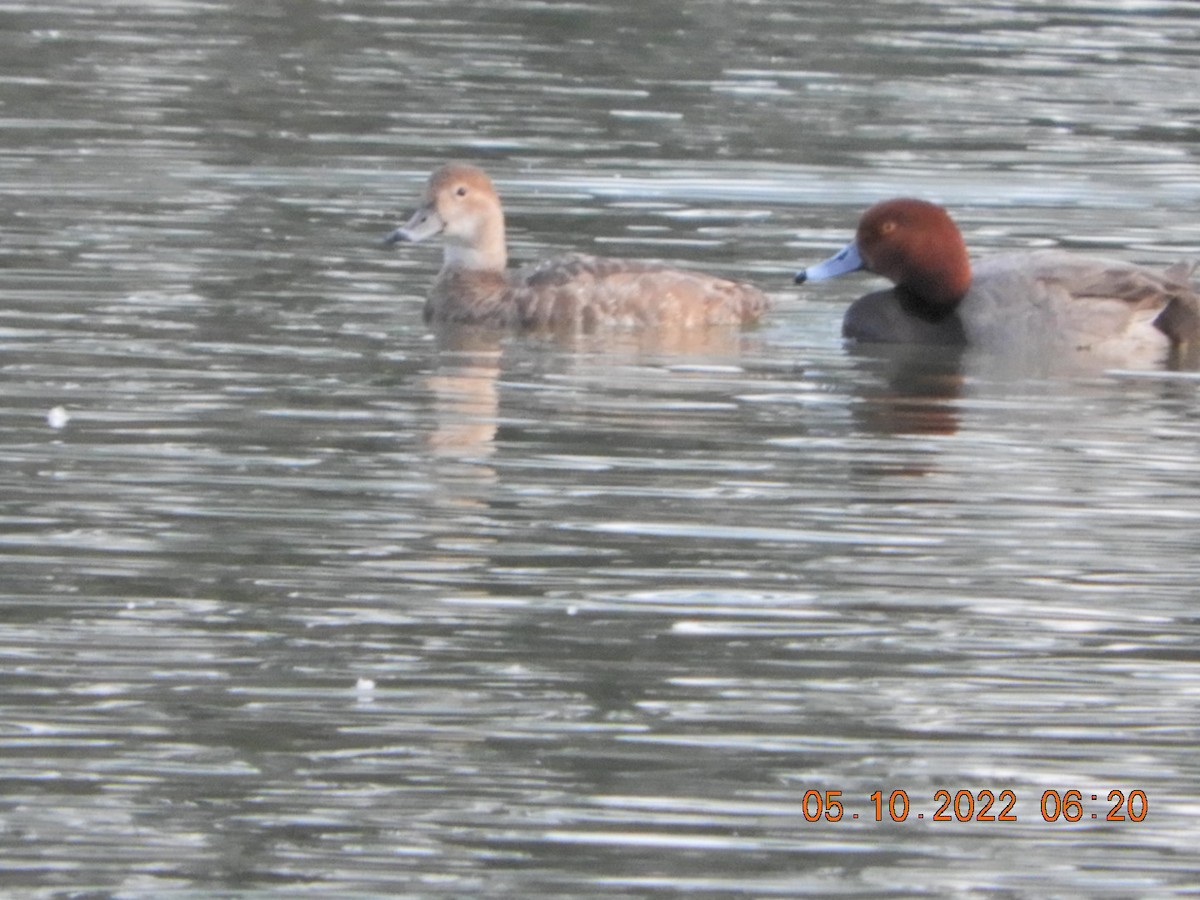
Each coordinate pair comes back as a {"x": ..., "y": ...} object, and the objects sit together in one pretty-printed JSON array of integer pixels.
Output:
[{"x": 299, "y": 599}]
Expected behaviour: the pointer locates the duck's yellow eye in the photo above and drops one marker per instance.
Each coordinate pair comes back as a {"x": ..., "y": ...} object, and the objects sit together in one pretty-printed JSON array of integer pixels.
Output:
[{"x": 888, "y": 227}]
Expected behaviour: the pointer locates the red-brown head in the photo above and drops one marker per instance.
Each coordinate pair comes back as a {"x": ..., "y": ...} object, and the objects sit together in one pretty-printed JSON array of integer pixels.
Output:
[
  {"x": 916, "y": 245},
  {"x": 913, "y": 243}
]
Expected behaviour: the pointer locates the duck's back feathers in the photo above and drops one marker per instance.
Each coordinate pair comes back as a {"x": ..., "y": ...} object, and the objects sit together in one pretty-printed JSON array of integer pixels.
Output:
[
  {"x": 583, "y": 293},
  {"x": 587, "y": 292},
  {"x": 1078, "y": 303}
]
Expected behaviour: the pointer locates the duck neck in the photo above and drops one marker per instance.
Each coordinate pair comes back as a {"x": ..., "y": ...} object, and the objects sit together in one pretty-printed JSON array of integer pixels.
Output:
[
  {"x": 483, "y": 250},
  {"x": 920, "y": 305},
  {"x": 937, "y": 293}
]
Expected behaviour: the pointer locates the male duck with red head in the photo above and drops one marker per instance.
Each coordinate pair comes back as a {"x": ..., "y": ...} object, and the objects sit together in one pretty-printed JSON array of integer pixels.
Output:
[
  {"x": 1031, "y": 302},
  {"x": 571, "y": 293}
]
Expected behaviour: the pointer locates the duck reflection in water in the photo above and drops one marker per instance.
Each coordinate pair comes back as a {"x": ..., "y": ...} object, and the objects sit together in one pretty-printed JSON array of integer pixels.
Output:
[
  {"x": 908, "y": 390},
  {"x": 465, "y": 393},
  {"x": 465, "y": 382},
  {"x": 570, "y": 294}
]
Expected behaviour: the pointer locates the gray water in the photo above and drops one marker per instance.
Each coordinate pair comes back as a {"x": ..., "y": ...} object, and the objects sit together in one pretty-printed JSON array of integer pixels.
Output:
[{"x": 301, "y": 600}]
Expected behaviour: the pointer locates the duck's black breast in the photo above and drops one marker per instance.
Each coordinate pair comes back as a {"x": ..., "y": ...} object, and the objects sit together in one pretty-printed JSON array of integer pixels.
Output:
[{"x": 890, "y": 317}]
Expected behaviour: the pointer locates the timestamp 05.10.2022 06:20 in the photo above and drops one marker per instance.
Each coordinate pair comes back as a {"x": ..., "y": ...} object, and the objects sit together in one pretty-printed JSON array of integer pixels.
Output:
[{"x": 979, "y": 806}]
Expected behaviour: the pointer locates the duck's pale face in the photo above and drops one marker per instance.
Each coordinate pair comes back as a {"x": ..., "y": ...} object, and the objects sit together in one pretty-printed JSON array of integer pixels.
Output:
[
  {"x": 466, "y": 203},
  {"x": 461, "y": 205}
]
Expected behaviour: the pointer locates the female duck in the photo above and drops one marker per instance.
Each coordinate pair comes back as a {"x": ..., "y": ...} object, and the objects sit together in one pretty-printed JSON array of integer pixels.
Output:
[
  {"x": 1034, "y": 302},
  {"x": 572, "y": 293}
]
